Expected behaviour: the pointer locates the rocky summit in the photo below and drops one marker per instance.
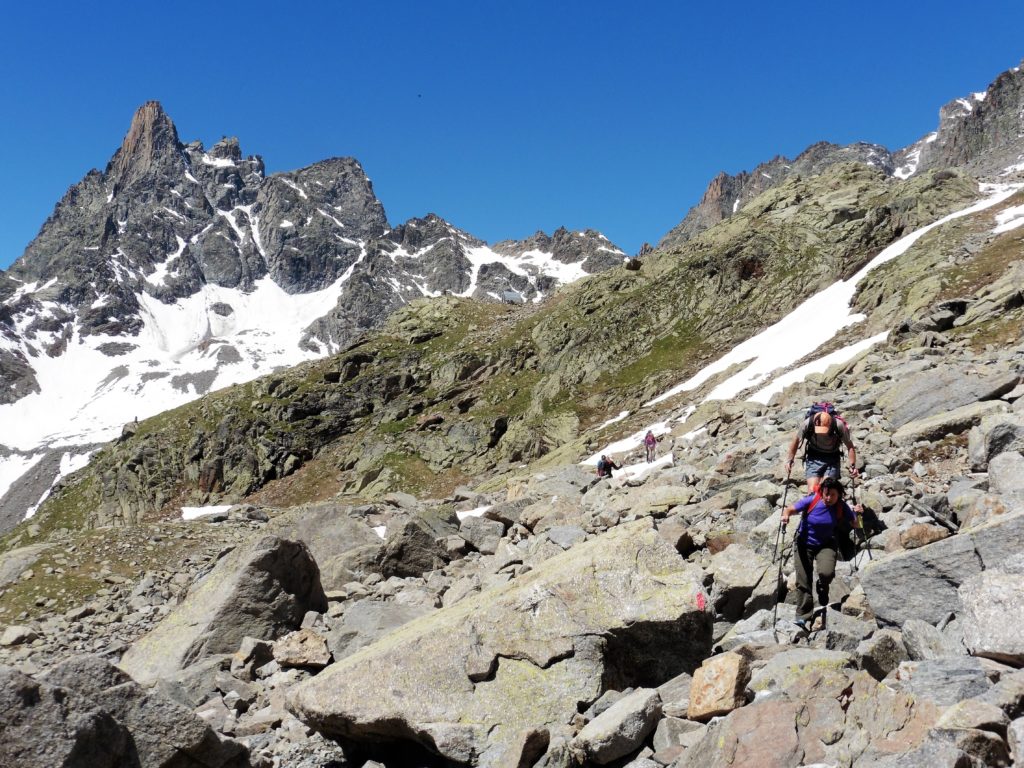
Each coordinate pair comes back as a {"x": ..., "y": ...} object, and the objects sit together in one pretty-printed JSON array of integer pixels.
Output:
[{"x": 398, "y": 552}]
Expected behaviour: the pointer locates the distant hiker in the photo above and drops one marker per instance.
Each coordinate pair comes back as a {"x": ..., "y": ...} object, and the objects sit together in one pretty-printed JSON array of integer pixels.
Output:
[
  {"x": 650, "y": 443},
  {"x": 825, "y": 433},
  {"x": 824, "y": 514},
  {"x": 605, "y": 466}
]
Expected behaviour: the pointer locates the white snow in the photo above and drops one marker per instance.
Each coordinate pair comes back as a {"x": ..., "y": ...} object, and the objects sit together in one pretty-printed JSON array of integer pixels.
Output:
[
  {"x": 191, "y": 513},
  {"x": 811, "y": 324},
  {"x": 13, "y": 467},
  {"x": 160, "y": 273},
  {"x": 69, "y": 462},
  {"x": 92, "y": 404},
  {"x": 816, "y": 366},
  {"x": 286, "y": 223},
  {"x": 736, "y": 205},
  {"x": 906, "y": 171},
  {"x": 614, "y": 420},
  {"x": 931, "y": 137},
  {"x": 1009, "y": 219},
  {"x": 191, "y": 178},
  {"x": 472, "y": 512},
  {"x": 296, "y": 187},
  {"x": 218, "y": 162},
  {"x": 380, "y": 530},
  {"x": 326, "y": 215},
  {"x": 1013, "y": 168}
]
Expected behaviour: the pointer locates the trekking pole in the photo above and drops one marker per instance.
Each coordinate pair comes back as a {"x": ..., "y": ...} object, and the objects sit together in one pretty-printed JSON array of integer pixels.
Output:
[
  {"x": 778, "y": 587},
  {"x": 778, "y": 534},
  {"x": 863, "y": 536}
]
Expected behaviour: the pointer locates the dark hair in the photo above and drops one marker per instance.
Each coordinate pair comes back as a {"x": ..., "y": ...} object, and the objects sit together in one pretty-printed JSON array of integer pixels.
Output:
[{"x": 831, "y": 484}]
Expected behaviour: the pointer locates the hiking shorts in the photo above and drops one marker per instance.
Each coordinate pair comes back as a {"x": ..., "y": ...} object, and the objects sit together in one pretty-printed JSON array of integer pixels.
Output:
[{"x": 821, "y": 467}]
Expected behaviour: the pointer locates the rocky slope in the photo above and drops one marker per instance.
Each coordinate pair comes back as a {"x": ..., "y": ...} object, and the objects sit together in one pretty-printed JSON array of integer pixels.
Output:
[{"x": 179, "y": 270}]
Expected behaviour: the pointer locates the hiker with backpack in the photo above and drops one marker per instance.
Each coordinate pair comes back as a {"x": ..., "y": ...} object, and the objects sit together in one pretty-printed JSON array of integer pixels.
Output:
[
  {"x": 824, "y": 433},
  {"x": 650, "y": 444},
  {"x": 825, "y": 519},
  {"x": 605, "y": 466}
]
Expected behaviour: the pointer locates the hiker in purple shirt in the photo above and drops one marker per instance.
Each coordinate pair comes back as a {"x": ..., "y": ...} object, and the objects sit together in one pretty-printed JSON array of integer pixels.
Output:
[{"x": 822, "y": 513}]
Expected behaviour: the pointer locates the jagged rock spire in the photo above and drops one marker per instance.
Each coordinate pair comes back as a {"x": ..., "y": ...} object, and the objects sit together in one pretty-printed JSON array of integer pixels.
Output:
[{"x": 150, "y": 138}]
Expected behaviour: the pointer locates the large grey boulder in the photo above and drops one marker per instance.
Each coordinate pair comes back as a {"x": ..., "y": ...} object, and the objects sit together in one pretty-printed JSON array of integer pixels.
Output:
[
  {"x": 415, "y": 544},
  {"x": 737, "y": 571},
  {"x": 621, "y": 728},
  {"x": 944, "y": 682},
  {"x": 922, "y": 583},
  {"x": 164, "y": 733},
  {"x": 260, "y": 590},
  {"x": 366, "y": 621},
  {"x": 330, "y": 535},
  {"x": 949, "y": 422},
  {"x": 621, "y": 609},
  {"x": 1006, "y": 473},
  {"x": 45, "y": 725},
  {"x": 939, "y": 390},
  {"x": 993, "y": 612},
  {"x": 994, "y": 435}
]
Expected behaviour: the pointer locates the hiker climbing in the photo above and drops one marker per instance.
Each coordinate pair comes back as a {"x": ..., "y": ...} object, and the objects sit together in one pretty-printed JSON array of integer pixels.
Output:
[
  {"x": 824, "y": 433},
  {"x": 823, "y": 516},
  {"x": 651, "y": 444},
  {"x": 605, "y": 466}
]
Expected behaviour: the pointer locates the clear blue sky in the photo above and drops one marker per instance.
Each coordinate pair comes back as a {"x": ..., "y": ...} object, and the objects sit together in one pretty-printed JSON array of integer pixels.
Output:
[{"x": 503, "y": 118}]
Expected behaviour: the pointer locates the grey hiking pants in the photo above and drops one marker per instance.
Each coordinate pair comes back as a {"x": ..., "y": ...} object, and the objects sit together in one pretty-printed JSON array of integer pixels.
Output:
[{"x": 807, "y": 560}]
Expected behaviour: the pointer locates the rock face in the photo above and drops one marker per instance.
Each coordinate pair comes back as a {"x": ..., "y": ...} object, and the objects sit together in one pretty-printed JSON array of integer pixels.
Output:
[
  {"x": 86, "y": 712},
  {"x": 42, "y": 728},
  {"x": 993, "y": 611},
  {"x": 621, "y": 606},
  {"x": 981, "y": 132},
  {"x": 922, "y": 583},
  {"x": 261, "y": 590},
  {"x": 163, "y": 732},
  {"x": 726, "y": 194}
]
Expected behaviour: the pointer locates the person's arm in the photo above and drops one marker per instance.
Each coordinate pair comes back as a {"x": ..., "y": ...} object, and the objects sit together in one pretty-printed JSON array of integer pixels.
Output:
[
  {"x": 793, "y": 445},
  {"x": 851, "y": 451},
  {"x": 794, "y": 508}
]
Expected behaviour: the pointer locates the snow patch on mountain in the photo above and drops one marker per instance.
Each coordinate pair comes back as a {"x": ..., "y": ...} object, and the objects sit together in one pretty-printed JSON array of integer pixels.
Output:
[{"x": 807, "y": 328}]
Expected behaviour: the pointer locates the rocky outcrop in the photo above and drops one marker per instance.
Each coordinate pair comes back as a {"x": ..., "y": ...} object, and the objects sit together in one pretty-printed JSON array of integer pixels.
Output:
[
  {"x": 623, "y": 606},
  {"x": 261, "y": 590},
  {"x": 726, "y": 194},
  {"x": 981, "y": 132}
]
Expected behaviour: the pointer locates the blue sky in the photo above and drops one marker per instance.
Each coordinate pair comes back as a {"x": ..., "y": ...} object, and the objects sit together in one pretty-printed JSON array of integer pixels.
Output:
[{"x": 504, "y": 118}]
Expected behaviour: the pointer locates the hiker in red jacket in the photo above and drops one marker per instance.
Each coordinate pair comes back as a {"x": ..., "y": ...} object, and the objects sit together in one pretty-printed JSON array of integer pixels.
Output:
[{"x": 823, "y": 515}]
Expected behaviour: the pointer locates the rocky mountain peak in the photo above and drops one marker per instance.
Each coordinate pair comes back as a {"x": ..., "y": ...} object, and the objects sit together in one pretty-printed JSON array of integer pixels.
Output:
[
  {"x": 983, "y": 131},
  {"x": 226, "y": 149},
  {"x": 150, "y": 138}
]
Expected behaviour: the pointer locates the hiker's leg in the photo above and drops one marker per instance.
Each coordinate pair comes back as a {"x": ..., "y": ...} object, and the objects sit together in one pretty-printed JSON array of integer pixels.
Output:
[
  {"x": 825, "y": 563},
  {"x": 814, "y": 469},
  {"x": 804, "y": 562}
]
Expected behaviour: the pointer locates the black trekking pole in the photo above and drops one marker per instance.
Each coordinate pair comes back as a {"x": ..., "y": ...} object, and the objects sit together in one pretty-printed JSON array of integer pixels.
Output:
[
  {"x": 778, "y": 533},
  {"x": 778, "y": 588},
  {"x": 865, "y": 541}
]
